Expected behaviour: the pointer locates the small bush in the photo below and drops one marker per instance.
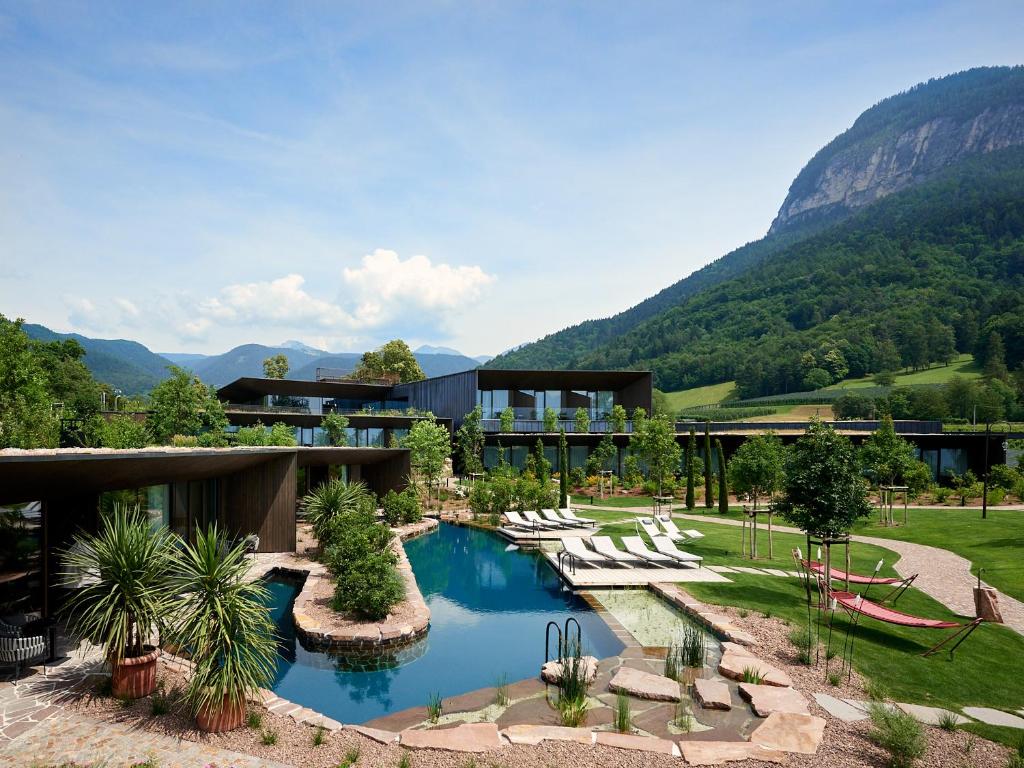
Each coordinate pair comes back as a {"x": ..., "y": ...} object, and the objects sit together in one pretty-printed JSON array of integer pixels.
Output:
[
  {"x": 269, "y": 738},
  {"x": 319, "y": 735},
  {"x": 401, "y": 508},
  {"x": 351, "y": 757},
  {"x": 897, "y": 733},
  {"x": 369, "y": 587},
  {"x": 405, "y": 761},
  {"x": 876, "y": 691},
  {"x": 835, "y": 679},
  {"x": 254, "y": 719},
  {"x": 948, "y": 721},
  {"x": 752, "y": 676},
  {"x": 621, "y": 714},
  {"x": 159, "y": 703}
]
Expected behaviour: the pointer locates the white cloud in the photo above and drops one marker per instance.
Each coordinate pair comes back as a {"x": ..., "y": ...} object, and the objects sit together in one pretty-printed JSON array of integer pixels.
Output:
[
  {"x": 108, "y": 316},
  {"x": 383, "y": 293}
]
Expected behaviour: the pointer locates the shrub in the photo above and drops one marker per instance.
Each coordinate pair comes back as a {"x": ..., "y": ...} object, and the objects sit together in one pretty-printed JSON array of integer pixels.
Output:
[
  {"x": 577, "y": 477},
  {"x": 392, "y": 508},
  {"x": 621, "y": 714},
  {"x": 369, "y": 586},
  {"x": 897, "y": 733},
  {"x": 434, "y": 707},
  {"x": 876, "y": 691},
  {"x": 1002, "y": 476},
  {"x": 269, "y": 738},
  {"x": 181, "y": 441},
  {"x": 254, "y": 719},
  {"x": 948, "y": 721}
]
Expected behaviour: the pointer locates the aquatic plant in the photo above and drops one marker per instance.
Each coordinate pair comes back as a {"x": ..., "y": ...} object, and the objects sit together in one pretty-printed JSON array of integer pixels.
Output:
[
  {"x": 752, "y": 676},
  {"x": 434, "y": 707},
  {"x": 621, "y": 714},
  {"x": 501, "y": 697}
]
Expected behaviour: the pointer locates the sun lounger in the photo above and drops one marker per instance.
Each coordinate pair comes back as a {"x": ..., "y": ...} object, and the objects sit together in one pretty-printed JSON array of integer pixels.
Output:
[
  {"x": 578, "y": 550},
  {"x": 665, "y": 546},
  {"x": 540, "y": 522},
  {"x": 568, "y": 514},
  {"x": 635, "y": 546},
  {"x": 550, "y": 514},
  {"x": 604, "y": 545},
  {"x": 673, "y": 532},
  {"x": 516, "y": 521},
  {"x": 649, "y": 527}
]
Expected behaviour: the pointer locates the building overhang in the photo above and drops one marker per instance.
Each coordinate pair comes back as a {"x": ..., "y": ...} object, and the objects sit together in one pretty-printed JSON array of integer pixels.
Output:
[
  {"x": 252, "y": 387},
  {"x": 497, "y": 378}
]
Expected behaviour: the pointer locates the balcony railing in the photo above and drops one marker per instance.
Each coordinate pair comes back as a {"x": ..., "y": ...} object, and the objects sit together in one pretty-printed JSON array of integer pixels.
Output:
[
  {"x": 283, "y": 409},
  {"x": 339, "y": 376},
  {"x": 599, "y": 426}
]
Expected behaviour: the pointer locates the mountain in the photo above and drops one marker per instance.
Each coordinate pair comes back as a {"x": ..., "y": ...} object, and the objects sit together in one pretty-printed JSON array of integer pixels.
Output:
[
  {"x": 247, "y": 360},
  {"x": 483, "y": 358},
  {"x": 902, "y": 239},
  {"x": 184, "y": 359},
  {"x": 125, "y": 365},
  {"x": 426, "y": 349},
  {"x": 300, "y": 347}
]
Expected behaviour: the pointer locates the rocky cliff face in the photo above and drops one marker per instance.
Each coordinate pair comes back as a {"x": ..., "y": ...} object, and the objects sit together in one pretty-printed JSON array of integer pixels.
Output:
[{"x": 882, "y": 164}]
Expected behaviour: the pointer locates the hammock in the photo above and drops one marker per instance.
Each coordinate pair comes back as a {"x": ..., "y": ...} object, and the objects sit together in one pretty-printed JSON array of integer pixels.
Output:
[
  {"x": 855, "y": 605},
  {"x": 901, "y": 585}
]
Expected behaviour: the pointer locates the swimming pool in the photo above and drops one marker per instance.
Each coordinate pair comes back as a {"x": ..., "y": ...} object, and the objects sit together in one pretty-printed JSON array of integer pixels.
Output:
[{"x": 488, "y": 611}]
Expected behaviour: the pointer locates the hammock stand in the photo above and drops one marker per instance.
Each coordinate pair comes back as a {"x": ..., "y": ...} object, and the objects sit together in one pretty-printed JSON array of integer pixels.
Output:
[{"x": 818, "y": 569}]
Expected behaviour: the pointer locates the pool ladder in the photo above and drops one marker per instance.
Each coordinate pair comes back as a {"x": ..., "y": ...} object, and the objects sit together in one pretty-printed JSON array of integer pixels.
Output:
[{"x": 563, "y": 638}]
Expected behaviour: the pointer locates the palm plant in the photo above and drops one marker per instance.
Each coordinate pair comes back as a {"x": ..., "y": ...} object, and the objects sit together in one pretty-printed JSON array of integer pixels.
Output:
[
  {"x": 331, "y": 499},
  {"x": 223, "y": 622},
  {"x": 121, "y": 578}
]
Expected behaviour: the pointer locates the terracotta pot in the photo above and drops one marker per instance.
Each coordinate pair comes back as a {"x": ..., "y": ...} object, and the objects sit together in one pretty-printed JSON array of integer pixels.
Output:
[
  {"x": 231, "y": 715},
  {"x": 135, "y": 676}
]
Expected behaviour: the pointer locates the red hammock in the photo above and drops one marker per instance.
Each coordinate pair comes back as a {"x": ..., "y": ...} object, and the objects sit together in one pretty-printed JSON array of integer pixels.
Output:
[
  {"x": 856, "y": 578},
  {"x": 861, "y": 607}
]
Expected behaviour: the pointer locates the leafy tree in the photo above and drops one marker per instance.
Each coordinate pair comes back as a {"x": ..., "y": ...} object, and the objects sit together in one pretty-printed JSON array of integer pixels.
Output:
[
  {"x": 469, "y": 441},
  {"x": 995, "y": 358},
  {"x": 275, "y": 367},
  {"x": 26, "y": 414},
  {"x": 123, "y": 432},
  {"x": 723, "y": 484},
  {"x": 582, "y": 420},
  {"x": 823, "y": 493},
  {"x": 550, "y": 419},
  {"x": 506, "y": 420},
  {"x": 182, "y": 405},
  {"x": 757, "y": 467},
  {"x": 429, "y": 446},
  {"x": 601, "y": 457},
  {"x": 655, "y": 443},
  {"x": 850, "y": 405},
  {"x": 563, "y": 471},
  {"x": 393, "y": 360},
  {"x": 334, "y": 426},
  {"x": 281, "y": 434},
  {"x": 887, "y": 455},
  {"x": 884, "y": 378},
  {"x": 691, "y": 450},
  {"x": 659, "y": 403},
  {"x": 709, "y": 496},
  {"x": 617, "y": 419},
  {"x": 817, "y": 378},
  {"x": 68, "y": 380}
]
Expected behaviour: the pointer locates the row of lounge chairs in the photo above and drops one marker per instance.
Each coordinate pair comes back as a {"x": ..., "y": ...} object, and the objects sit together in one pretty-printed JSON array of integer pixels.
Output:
[
  {"x": 547, "y": 520},
  {"x": 604, "y": 552},
  {"x": 662, "y": 525}
]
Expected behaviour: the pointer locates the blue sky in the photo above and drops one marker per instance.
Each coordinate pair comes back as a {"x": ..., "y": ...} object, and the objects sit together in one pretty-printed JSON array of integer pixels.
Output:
[{"x": 469, "y": 174}]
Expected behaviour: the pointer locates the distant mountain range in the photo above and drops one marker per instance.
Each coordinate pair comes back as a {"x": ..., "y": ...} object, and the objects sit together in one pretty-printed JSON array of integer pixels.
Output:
[{"x": 134, "y": 369}]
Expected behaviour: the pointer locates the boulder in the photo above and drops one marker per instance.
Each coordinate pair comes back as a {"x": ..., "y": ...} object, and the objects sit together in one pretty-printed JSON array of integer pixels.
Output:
[
  {"x": 765, "y": 699},
  {"x": 733, "y": 664},
  {"x": 717, "y": 752},
  {"x": 552, "y": 671},
  {"x": 787, "y": 732}
]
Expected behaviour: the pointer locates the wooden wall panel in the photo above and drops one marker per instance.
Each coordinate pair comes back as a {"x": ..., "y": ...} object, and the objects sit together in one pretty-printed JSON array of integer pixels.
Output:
[
  {"x": 447, "y": 397},
  {"x": 261, "y": 500}
]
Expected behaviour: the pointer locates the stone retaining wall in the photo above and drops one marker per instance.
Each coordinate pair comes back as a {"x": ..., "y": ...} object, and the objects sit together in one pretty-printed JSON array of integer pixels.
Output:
[{"x": 371, "y": 636}]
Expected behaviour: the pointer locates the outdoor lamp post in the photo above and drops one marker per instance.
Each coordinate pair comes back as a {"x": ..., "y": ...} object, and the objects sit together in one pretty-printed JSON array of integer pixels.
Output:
[{"x": 117, "y": 396}]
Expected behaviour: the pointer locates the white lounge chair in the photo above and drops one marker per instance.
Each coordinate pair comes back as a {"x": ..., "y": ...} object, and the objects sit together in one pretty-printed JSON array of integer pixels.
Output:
[
  {"x": 635, "y": 546},
  {"x": 516, "y": 521},
  {"x": 540, "y": 522},
  {"x": 673, "y": 532},
  {"x": 568, "y": 514},
  {"x": 576, "y": 548},
  {"x": 649, "y": 526},
  {"x": 551, "y": 515},
  {"x": 604, "y": 545},
  {"x": 665, "y": 546}
]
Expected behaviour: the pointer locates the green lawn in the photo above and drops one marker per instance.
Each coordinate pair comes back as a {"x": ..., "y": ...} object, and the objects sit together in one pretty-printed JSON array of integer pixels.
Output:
[
  {"x": 709, "y": 395},
  {"x": 980, "y": 674},
  {"x": 995, "y": 544},
  {"x": 639, "y": 502},
  {"x": 963, "y": 366}
]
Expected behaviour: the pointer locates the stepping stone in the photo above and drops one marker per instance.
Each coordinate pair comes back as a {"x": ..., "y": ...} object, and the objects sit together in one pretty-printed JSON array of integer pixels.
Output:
[
  {"x": 839, "y": 709},
  {"x": 991, "y": 716},
  {"x": 637, "y": 743},
  {"x": 645, "y": 685},
  {"x": 765, "y": 699},
  {"x": 712, "y": 694},
  {"x": 930, "y": 715},
  {"x": 733, "y": 664},
  {"x": 715, "y": 752},
  {"x": 790, "y": 733},
  {"x": 795, "y": 574},
  {"x": 383, "y": 737},
  {"x": 551, "y": 672},
  {"x": 776, "y": 572},
  {"x": 751, "y": 571},
  {"x": 471, "y": 737},
  {"x": 721, "y": 569},
  {"x": 535, "y": 734}
]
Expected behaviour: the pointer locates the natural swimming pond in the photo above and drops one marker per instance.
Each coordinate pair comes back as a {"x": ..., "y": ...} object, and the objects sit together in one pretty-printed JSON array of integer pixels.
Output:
[{"x": 488, "y": 611}]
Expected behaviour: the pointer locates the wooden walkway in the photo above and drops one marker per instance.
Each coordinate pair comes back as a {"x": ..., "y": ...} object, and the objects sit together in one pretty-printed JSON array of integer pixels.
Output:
[{"x": 587, "y": 577}]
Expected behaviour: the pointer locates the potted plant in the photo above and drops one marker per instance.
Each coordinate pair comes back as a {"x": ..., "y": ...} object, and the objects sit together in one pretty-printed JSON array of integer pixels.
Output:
[
  {"x": 121, "y": 597},
  {"x": 224, "y": 623}
]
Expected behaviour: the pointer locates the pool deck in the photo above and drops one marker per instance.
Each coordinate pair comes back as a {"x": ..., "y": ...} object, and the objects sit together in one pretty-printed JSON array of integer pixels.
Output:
[
  {"x": 585, "y": 576},
  {"x": 525, "y": 537}
]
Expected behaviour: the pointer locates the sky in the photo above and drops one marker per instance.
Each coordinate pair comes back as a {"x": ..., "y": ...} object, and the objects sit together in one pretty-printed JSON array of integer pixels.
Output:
[{"x": 471, "y": 174}]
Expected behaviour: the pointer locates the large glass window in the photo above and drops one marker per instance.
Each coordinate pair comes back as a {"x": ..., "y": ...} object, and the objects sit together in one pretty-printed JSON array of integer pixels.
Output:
[
  {"x": 375, "y": 437},
  {"x": 153, "y": 501},
  {"x": 952, "y": 460},
  {"x": 553, "y": 400},
  {"x": 578, "y": 456},
  {"x": 604, "y": 403},
  {"x": 492, "y": 402},
  {"x": 518, "y": 457},
  {"x": 21, "y": 574}
]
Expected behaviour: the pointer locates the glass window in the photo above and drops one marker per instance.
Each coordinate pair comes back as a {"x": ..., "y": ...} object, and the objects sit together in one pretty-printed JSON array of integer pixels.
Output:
[
  {"x": 399, "y": 435},
  {"x": 551, "y": 454},
  {"x": 604, "y": 403},
  {"x": 553, "y": 400},
  {"x": 21, "y": 559},
  {"x": 952, "y": 460},
  {"x": 518, "y": 456},
  {"x": 578, "y": 456},
  {"x": 375, "y": 437}
]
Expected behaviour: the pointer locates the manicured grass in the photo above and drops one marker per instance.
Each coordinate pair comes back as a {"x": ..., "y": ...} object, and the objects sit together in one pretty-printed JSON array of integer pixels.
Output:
[
  {"x": 963, "y": 366},
  {"x": 639, "y": 502},
  {"x": 995, "y": 544},
  {"x": 984, "y": 671},
  {"x": 709, "y": 395}
]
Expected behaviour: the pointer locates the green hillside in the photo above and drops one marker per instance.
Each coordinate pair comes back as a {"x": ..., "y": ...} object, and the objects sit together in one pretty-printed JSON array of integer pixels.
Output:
[
  {"x": 707, "y": 395},
  {"x": 963, "y": 366}
]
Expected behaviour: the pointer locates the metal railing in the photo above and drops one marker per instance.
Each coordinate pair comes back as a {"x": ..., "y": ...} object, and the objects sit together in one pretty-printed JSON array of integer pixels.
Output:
[
  {"x": 339, "y": 376},
  {"x": 905, "y": 427},
  {"x": 537, "y": 425},
  {"x": 249, "y": 408}
]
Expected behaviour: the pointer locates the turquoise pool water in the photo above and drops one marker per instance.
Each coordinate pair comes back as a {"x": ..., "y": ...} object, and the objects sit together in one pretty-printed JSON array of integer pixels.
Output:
[{"x": 488, "y": 609}]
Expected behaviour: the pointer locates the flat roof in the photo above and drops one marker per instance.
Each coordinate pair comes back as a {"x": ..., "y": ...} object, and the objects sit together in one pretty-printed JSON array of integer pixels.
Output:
[
  {"x": 28, "y": 475},
  {"x": 249, "y": 387},
  {"x": 533, "y": 379}
]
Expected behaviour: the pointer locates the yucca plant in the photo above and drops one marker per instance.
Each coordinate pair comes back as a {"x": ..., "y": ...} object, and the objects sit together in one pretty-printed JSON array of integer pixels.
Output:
[
  {"x": 331, "y": 499},
  {"x": 223, "y": 623},
  {"x": 122, "y": 593}
]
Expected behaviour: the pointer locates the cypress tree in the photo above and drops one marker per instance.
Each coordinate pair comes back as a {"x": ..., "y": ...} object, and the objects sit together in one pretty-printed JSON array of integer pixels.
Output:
[
  {"x": 690, "y": 447},
  {"x": 709, "y": 498},
  {"x": 563, "y": 471},
  {"x": 723, "y": 484}
]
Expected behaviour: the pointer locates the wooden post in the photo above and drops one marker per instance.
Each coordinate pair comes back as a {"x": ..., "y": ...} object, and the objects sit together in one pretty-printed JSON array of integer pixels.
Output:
[
  {"x": 770, "y": 550},
  {"x": 847, "y": 563}
]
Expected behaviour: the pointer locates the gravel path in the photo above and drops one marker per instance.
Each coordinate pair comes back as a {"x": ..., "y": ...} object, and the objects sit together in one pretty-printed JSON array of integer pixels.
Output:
[{"x": 942, "y": 575}]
